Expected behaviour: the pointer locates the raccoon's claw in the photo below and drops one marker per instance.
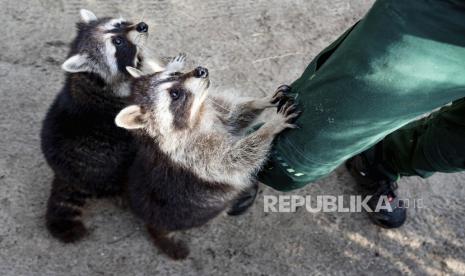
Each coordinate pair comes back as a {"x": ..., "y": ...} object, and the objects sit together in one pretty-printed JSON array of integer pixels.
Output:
[
  {"x": 284, "y": 117},
  {"x": 289, "y": 107},
  {"x": 180, "y": 58},
  {"x": 281, "y": 95},
  {"x": 286, "y": 89},
  {"x": 177, "y": 63},
  {"x": 285, "y": 101},
  {"x": 276, "y": 97},
  {"x": 294, "y": 126},
  {"x": 290, "y": 112},
  {"x": 286, "y": 106}
]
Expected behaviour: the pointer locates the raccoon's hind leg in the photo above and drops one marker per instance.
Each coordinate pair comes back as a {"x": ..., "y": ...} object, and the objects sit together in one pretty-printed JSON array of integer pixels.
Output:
[
  {"x": 175, "y": 249},
  {"x": 64, "y": 211}
]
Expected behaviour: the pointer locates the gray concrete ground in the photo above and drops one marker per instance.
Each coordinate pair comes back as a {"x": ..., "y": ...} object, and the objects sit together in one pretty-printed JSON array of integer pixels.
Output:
[{"x": 252, "y": 46}]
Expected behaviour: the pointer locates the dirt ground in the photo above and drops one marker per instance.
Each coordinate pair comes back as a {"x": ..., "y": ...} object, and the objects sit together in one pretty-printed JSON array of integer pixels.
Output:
[{"x": 252, "y": 47}]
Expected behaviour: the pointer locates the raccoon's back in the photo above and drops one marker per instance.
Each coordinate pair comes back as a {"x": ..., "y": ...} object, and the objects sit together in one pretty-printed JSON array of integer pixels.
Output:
[{"x": 83, "y": 145}]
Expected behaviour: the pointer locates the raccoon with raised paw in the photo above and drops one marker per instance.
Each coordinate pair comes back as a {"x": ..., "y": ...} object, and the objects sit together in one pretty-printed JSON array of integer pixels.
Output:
[
  {"x": 89, "y": 155},
  {"x": 194, "y": 154}
]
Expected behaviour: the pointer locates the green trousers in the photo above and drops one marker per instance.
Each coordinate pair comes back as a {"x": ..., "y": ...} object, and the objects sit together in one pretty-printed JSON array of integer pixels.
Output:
[{"x": 403, "y": 60}]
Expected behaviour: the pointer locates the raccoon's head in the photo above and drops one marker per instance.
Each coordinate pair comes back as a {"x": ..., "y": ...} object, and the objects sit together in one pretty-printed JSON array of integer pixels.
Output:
[
  {"x": 106, "y": 46},
  {"x": 166, "y": 102}
]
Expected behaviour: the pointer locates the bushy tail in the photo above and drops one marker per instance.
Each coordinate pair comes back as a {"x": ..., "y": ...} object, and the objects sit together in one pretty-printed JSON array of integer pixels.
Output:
[{"x": 64, "y": 210}]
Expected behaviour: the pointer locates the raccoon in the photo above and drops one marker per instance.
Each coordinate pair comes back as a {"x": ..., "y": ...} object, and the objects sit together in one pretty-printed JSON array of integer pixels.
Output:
[
  {"x": 194, "y": 154},
  {"x": 88, "y": 154}
]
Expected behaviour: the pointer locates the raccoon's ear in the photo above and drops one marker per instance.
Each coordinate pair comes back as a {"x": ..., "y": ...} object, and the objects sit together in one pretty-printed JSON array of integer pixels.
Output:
[
  {"x": 136, "y": 73},
  {"x": 77, "y": 63},
  {"x": 87, "y": 16},
  {"x": 131, "y": 117}
]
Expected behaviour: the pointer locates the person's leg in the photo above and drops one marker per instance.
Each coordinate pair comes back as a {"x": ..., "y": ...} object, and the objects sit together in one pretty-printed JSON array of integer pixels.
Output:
[
  {"x": 431, "y": 144},
  {"x": 404, "y": 59}
]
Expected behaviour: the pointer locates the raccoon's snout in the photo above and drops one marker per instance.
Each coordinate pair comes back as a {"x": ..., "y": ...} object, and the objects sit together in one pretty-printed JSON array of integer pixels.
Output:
[
  {"x": 201, "y": 72},
  {"x": 142, "y": 27}
]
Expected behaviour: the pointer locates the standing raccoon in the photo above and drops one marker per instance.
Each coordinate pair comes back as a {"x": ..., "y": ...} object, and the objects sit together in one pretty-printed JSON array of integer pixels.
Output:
[
  {"x": 194, "y": 156},
  {"x": 89, "y": 155}
]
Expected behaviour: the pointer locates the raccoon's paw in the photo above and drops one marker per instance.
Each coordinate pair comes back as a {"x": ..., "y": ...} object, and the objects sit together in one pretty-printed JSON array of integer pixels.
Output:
[
  {"x": 178, "y": 250},
  {"x": 177, "y": 63},
  {"x": 281, "y": 95},
  {"x": 67, "y": 231},
  {"x": 285, "y": 116}
]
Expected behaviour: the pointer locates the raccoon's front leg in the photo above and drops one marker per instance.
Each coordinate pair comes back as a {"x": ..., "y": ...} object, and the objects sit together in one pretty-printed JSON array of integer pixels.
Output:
[
  {"x": 175, "y": 249},
  {"x": 251, "y": 151},
  {"x": 243, "y": 114},
  {"x": 64, "y": 211}
]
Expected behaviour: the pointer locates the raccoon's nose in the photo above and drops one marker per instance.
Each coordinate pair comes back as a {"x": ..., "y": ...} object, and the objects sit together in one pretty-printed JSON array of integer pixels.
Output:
[
  {"x": 142, "y": 27},
  {"x": 201, "y": 72}
]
